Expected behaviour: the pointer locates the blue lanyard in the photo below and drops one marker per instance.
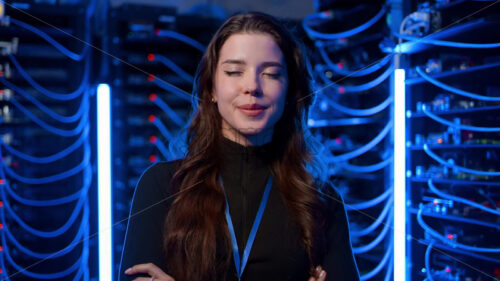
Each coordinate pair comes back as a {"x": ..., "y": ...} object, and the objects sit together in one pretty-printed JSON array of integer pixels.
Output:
[{"x": 253, "y": 232}]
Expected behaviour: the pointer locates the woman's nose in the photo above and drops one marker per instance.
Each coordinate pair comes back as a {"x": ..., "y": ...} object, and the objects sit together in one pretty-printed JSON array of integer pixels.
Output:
[{"x": 251, "y": 84}]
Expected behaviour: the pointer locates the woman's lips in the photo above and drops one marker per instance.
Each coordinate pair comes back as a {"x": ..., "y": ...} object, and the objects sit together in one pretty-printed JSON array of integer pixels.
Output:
[{"x": 252, "y": 112}]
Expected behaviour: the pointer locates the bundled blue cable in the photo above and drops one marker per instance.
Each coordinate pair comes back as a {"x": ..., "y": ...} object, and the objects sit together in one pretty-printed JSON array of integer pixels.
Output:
[
  {"x": 368, "y": 69},
  {"x": 332, "y": 36},
  {"x": 54, "y": 115},
  {"x": 84, "y": 82},
  {"x": 360, "y": 112},
  {"x": 46, "y": 234},
  {"x": 369, "y": 229},
  {"x": 80, "y": 262},
  {"x": 368, "y": 247},
  {"x": 427, "y": 262},
  {"x": 370, "y": 203},
  {"x": 65, "y": 250},
  {"x": 181, "y": 37},
  {"x": 458, "y": 126},
  {"x": 426, "y": 40},
  {"x": 162, "y": 148},
  {"x": 60, "y": 176},
  {"x": 57, "y": 45},
  {"x": 169, "y": 111},
  {"x": 54, "y": 130},
  {"x": 174, "y": 67},
  {"x": 368, "y": 168},
  {"x": 51, "y": 158},
  {"x": 172, "y": 89},
  {"x": 453, "y": 243},
  {"x": 358, "y": 88},
  {"x": 453, "y": 89},
  {"x": 49, "y": 276},
  {"x": 390, "y": 268},
  {"x": 387, "y": 258},
  {"x": 72, "y": 55},
  {"x": 451, "y": 164},
  {"x": 370, "y": 145},
  {"x": 87, "y": 180},
  {"x": 463, "y": 252},
  {"x": 163, "y": 130},
  {"x": 433, "y": 188}
]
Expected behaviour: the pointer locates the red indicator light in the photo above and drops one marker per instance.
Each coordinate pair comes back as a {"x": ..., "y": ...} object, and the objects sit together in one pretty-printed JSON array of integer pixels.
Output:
[
  {"x": 151, "y": 57},
  {"x": 341, "y": 90},
  {"x": 151, "y": 78},
  {"x": 340, "y": 65},
  {"x": 497, "y": 272},
  {"x": 450, "y": 236},
  {"x": 152, "y": 97},
  {"x": 152, "y": 139},
  {"x": 327, "y": 14},
  {"x": 152, "y": 158},
  {"x": 151, "y": 118}
]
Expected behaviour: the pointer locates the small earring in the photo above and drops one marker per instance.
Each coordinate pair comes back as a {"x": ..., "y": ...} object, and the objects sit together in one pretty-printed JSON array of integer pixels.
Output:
[{"x": 213, "y": 100}]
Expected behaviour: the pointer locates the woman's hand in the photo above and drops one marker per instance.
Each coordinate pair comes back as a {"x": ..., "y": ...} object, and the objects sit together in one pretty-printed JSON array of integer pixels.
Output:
[
  {"x": 320, "y": 275},
  {"x": 155, "y": 272}
]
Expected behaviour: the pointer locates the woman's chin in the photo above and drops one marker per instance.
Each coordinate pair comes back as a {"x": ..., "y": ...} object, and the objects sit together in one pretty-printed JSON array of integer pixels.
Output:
[{"x": 250, "y": 132}]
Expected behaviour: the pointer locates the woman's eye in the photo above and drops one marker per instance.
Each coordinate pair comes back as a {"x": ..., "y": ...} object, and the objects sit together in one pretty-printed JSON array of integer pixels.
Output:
[
  {"x": 273, "y": 75},
  {"x": 232, "y": 73}
]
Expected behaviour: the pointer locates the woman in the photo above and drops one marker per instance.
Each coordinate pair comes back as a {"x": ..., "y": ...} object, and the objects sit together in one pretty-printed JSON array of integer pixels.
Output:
[{"x": 241, "y": 205}]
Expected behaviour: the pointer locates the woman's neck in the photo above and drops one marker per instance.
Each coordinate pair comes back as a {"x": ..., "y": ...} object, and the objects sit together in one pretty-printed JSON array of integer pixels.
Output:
[{"x": 248, "y": 140}]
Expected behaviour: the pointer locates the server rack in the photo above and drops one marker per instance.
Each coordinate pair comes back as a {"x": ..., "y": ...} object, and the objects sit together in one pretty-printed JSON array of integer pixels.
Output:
[
  {"x": 452, "y": 136},
  {"x": 352, "y": 118},
  {"x": 46, "y": 175},
  {"x": 156, "y": 52}
]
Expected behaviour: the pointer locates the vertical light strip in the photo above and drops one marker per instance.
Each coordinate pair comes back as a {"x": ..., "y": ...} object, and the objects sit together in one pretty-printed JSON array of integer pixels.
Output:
[
  {"x": 104, "y": 181},
  {"x": 399, "y": 176}
]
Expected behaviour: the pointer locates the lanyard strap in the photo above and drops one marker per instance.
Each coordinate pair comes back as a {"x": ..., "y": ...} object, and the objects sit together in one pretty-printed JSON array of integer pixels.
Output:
[{"x": 253, "y": 232}]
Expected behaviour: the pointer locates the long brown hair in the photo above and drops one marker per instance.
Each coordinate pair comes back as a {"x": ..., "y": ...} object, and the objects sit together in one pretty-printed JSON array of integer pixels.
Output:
[{"x": 196, "y": 242}]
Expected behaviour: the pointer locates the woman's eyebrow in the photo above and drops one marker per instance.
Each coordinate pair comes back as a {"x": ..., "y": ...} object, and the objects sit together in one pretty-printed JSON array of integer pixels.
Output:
[
  {"x": 271, "y": 63},
  {"x": 233, "y": 61},
  {"x": 242, "y": 62}
]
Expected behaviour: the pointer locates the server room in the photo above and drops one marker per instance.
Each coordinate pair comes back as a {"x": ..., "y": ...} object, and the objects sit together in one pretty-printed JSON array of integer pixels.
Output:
[{"x": 368, "y": 147}]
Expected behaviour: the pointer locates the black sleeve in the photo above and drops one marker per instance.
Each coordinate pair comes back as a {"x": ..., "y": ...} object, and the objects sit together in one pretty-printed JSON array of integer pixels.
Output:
[
  {"x": 143, "y": 239},
  {"x": 339, "y": 262}
]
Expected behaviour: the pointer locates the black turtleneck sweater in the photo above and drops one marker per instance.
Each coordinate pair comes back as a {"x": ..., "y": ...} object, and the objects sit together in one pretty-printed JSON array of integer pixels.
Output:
[{"x": 277, "y": 253}]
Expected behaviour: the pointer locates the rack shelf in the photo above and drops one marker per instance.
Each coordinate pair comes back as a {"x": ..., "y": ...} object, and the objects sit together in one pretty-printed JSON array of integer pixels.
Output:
[
  {"x": 494, "y": 66},
  {"x": 458, "y": 111},
  {"x": 458, "y": 33},
  {"x": 456, "y": 218},
  {"x": 456, "y": 146}
]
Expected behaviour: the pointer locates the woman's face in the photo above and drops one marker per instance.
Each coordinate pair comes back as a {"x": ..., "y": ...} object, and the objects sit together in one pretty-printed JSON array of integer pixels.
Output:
[{"x": 250, "y": 86}]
